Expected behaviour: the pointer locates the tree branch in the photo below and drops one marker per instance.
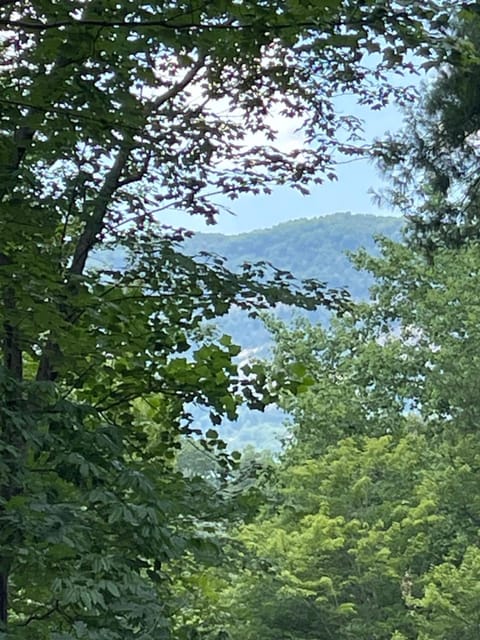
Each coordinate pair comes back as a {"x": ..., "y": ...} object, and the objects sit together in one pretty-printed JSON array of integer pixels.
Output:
[
  {"x": 112, "y": 181},
  {"x": 184, "y": 26},
  {"x": 12, "y": 353},
  {"x": 37, "y": 616},
  {"x": 70, "y": 113},
  {"x": 95, "y": 224}
]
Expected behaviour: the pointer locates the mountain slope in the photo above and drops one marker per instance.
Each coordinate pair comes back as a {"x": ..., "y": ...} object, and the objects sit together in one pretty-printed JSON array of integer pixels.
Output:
[{"x": 308, "y": 248}]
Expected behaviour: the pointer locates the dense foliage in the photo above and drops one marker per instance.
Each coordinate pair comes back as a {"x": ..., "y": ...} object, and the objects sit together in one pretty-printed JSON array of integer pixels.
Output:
[
  {"x": 110, "y": 112},
  {"x": 433, "y": 164},
  {"x": 370, "y": 525}
]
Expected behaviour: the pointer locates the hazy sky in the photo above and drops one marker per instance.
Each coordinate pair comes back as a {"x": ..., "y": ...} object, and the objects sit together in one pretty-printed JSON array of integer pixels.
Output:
[{"x": 349, "y": 193}]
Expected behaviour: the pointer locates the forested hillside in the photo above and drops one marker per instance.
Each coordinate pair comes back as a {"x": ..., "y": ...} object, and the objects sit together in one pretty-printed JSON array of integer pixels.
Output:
[
  {"x": 369, "y": 526},
  {"x": 308, "y": 248}
]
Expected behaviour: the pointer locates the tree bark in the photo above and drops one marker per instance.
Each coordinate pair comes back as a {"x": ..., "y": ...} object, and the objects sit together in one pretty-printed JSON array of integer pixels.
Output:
[
  {"x": 3, "y": 601},
  {"x": 13, "y": 363}
]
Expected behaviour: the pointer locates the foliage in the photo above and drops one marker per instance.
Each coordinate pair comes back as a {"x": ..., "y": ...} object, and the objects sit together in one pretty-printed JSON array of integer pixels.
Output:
[
  {"x": 371, "y": 527},
  {"x": 110, "y": 112},
  {"x": 315, "y": 247},
  {"x": 134, "y": 96},
  {"x": 432, "y": 165}
]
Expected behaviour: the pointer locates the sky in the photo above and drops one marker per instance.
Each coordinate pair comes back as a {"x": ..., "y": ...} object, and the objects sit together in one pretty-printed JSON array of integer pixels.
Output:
[{"x": 351, "y": 192}]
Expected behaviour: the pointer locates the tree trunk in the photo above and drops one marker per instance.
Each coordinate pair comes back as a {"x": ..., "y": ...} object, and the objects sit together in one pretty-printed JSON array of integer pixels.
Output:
[
  {"x": 13, "y": 363},
  {"x": 3, "y": 601}
]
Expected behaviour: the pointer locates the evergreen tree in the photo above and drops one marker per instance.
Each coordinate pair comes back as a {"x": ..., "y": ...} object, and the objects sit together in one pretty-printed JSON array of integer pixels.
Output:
[{"x": 433, "y": 164}]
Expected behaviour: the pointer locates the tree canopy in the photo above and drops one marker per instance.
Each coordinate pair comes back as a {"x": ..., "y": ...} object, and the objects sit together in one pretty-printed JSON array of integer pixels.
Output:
[
  {"x": 370, "y": 524},
  {"x": 370, "y": 528},
  {"x": 432, "y": 165},
  {"x": 110, "y": 113}
]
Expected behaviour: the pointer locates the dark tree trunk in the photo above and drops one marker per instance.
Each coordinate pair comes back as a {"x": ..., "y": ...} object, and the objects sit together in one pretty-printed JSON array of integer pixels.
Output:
[
  {"x": 3, "y": 601},
  {"x": 13, "y": 363}
]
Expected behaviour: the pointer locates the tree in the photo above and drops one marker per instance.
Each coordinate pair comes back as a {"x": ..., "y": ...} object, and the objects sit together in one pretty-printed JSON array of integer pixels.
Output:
[
  {"x": 432, "y": 166},
  {"x": 372, "y": 528},
  {"x": 111, "y": 112}
]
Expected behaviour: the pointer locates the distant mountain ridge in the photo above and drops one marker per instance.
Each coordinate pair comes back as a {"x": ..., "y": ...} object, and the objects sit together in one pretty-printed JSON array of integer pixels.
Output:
[{"x": 308, "y": 247}]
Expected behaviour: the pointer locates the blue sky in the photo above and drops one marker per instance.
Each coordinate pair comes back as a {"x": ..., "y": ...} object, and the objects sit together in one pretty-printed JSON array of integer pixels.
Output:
[{"x": 349, "y": 193}]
